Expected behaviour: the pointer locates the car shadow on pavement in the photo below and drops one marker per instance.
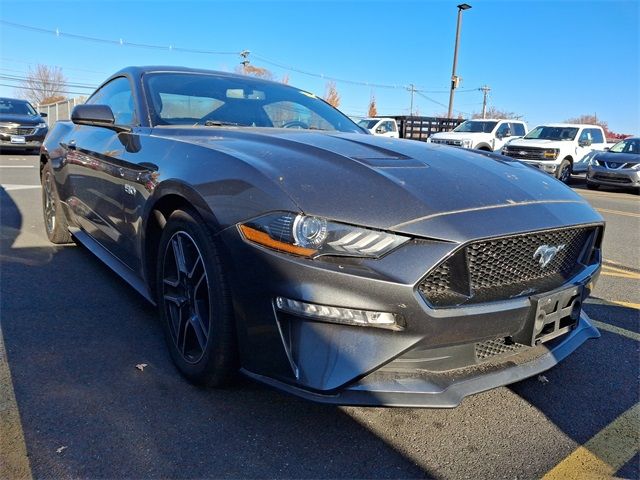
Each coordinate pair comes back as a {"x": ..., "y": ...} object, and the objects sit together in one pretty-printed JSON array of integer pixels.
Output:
[{"x": 74, "y": 334}]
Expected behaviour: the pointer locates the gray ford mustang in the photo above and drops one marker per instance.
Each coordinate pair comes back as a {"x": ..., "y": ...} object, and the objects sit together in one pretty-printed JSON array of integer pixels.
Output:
[{"x": 280, "y": 240}]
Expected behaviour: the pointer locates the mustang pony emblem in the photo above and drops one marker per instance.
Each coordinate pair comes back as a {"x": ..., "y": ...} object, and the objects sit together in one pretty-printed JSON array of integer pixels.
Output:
[{"x": 546, "y": 254}]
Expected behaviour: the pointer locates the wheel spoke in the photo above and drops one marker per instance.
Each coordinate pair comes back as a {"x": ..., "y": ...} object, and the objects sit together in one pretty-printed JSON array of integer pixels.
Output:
[
  {"x": 178, "y": 253},
  {"x": 199, "y": 330},
  {"x": 197, "y": 266},
  {"x": 178, "y": 300}
]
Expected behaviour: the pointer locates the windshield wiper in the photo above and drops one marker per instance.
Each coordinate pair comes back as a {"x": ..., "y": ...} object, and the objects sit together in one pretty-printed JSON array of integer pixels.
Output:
[{"x": 217, "y": 123}]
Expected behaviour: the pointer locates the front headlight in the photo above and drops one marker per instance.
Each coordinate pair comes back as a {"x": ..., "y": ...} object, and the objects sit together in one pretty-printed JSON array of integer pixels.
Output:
[
  {"x": 551, "y": 153},
  {"x": 467, "y": 143},
  {"x": 636, "y": 167},
  {"x": 42, "y": 125},
  {"x": 310, "y": 236}
]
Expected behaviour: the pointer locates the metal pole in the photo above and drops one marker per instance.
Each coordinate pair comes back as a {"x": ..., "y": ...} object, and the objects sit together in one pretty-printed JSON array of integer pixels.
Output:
[
  {"x": 411, "y": 109},
  {"x": 485, "y": 91},
  {"x": 454, "y": 79}
]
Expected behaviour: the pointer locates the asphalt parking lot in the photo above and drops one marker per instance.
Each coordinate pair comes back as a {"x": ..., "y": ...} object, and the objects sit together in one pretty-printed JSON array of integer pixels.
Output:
[{"x": 73, "y": 403}]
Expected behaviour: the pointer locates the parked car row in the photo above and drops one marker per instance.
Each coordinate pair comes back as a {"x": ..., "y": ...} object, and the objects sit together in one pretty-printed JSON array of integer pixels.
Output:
[{"x": 21, "y": 126}]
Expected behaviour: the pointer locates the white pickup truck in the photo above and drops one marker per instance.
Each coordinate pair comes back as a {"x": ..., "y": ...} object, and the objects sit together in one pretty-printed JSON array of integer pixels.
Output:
[
  {"x": 383, "y": 127},
  {"x": 489, "y": 135},
  {"x": 554, "y": 148}
]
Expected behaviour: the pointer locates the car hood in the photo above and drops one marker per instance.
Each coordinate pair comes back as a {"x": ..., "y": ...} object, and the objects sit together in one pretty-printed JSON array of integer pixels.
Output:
[
  {"x": 21, "y": 119},
  {"x": 457, "y": 135},
  {"x": 618, "y": 157},
  {"x": 384, "y": 183},
  {"x": 521, "y": 142}
]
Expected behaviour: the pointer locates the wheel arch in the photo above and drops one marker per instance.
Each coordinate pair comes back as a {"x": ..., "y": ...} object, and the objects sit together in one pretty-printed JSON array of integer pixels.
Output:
[{"x": 167, "y": 198}]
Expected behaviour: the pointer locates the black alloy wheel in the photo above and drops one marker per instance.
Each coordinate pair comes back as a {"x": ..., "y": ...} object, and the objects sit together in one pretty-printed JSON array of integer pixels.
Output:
[
  {"x": 194, "y": 302},
  {"x": 55, "y": 221},
  {"x": 564, "y": 171}
]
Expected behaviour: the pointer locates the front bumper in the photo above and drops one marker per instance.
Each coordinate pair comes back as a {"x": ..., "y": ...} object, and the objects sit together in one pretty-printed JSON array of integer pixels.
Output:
[
  {"x": 549, "y": 166},
  {"x": 22, "y": 142},
  {"x": 626, "y": 177},
  {"x": 446, "y": 389},
  {"x": 429, "y": 362}
]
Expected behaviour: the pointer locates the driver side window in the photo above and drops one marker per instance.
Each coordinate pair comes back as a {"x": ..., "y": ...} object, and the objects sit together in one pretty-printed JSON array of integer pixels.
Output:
[
  {"x": 117, "y": 95},
  {"x": 503, "y": 129}
]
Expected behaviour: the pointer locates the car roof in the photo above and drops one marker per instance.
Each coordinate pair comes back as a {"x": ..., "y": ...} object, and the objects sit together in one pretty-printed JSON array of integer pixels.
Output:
[
  {"x": 15, "y": 99},
  {"x": 495, "y": 120},
  {"x": 136, "y": 71},
  {"x": 570, "y": 125}
]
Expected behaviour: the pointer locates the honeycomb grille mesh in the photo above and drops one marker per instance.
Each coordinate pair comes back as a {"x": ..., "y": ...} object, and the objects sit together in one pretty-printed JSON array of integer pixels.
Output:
[
  {"x": 491, "y": 348},
  {"x": 506, "y": 267}
]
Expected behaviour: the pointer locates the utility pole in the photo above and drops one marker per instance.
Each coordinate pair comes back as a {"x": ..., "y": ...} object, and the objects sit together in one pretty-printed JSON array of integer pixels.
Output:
[
  {"x": 245, "y": 59},
  {"x": 412, "y": 89},
  {"x": 454, "y": 79},
  {"x": 485, "y": 91}
]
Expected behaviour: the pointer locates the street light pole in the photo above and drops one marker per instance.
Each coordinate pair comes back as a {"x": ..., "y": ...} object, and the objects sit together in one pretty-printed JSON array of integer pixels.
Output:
[{"x": 454, "y": 79}]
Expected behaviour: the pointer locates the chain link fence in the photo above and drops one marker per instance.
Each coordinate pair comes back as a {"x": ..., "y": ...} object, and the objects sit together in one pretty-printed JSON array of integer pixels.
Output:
[{"x": 60, "y": 110}]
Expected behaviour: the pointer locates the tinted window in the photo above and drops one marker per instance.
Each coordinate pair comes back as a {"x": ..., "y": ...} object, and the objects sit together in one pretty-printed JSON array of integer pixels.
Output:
[
  {"x": 502, "y": 129},
  {"x": 476, "y": 126},
  {"x": 517, "y": 130},
  {"x": 553, "y": 133},
  {"x": 183, "y": 98},
  {"x": 16, "y": 107},
  {"x": 117, "y": 95},
  {"x": 596, "y": 135},
  {"x": 391, "y": 127},
  {"x": 630, "y": 145},
  {"x": 368, "y": 124}
]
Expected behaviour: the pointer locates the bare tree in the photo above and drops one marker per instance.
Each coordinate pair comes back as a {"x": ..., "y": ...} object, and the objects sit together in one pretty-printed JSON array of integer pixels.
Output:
[
  {"x": 331, "y": 96},
  {"x": 493, "y": 112},
  {"x": 285, "y": 79},
  {"x": 44, "y": 84},
  {"x": 373, "y": 108},
  {"x": 591, "y": 120},
  {"x": 252, "y": 70}
]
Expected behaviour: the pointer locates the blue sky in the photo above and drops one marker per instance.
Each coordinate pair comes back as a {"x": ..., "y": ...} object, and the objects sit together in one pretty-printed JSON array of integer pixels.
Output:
[{"x": 546, "y": 60}]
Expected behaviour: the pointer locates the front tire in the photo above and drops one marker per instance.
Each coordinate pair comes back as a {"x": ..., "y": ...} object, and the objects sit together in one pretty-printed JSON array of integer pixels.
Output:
[
  {"x": 55, "y": 221},
  {"x": 194, "y": 301},
  {"x": 592, "y": 186},
  {"x": 564, "y": 171}
]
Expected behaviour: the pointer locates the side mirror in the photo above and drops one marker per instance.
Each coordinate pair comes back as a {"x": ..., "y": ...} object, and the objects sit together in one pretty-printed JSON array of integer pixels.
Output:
[
  {"x": 380, "y": 130},
  {"x": 42, "y": 114},
  {"x": 584, "y": 143},
  {"x": 606, "y": 149},
  {"x": 96, "y": 116}
]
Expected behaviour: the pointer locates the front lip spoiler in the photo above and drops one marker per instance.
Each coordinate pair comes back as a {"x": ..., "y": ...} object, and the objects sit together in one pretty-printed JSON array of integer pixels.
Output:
[{"x": 419, "y": 390}]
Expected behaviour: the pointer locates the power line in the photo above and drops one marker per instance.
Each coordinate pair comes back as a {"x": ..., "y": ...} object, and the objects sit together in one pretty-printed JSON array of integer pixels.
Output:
[
  {"x": 119, "y": 42},
  {"x": 15, "y": 78},
  {"x": 244, "y": 53},
  {"x": 42, "y": 89}
]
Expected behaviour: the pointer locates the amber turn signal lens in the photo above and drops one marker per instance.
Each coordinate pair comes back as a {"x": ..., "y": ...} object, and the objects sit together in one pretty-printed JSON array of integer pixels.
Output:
[{"x": 264, "y": 239}]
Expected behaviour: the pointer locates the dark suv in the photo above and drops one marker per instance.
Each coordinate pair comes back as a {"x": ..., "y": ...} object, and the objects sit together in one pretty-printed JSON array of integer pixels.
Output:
[{"x": 21, "y": 126}]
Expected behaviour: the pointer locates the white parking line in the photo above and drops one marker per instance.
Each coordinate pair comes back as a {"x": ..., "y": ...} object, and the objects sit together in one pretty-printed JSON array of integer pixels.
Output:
[{"x": 11, "y": 187}]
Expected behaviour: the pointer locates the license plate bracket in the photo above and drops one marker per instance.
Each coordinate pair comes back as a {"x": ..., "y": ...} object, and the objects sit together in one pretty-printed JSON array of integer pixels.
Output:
[
  {"x": 19, "y": 139},
  {"x": 552, "y": 314}
]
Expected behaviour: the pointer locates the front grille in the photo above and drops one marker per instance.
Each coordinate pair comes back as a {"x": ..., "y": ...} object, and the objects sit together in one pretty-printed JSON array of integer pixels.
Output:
[
  {"x": 17, "y": 130},
  {"x": 507, "y": 267},
  {"x": 456, "y": 143},
  {"x": 615, "y": 165},
  {"x": 527, "y": 153},
  {"x": 491, "y": 348},
  {"x": 612, "y": 178}
]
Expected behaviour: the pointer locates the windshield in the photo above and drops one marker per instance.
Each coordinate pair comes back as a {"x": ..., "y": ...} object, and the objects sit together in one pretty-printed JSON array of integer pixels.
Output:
[
  {"x": 630, "y": 145},
  {"x": 368, "y": 124},
  {"x": 553, "y": 133},
  {"x": 220, "y": 100},
  {"x": 474, "y": 126},
  {"x": 16, "y": 107}
]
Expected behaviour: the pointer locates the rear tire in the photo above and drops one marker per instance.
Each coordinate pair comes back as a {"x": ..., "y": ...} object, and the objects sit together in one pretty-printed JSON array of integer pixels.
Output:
[
  {"x": 55, "y": 221},
  {"x": 194, "y": 301},
  {"x": 564, "y": 171}
]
